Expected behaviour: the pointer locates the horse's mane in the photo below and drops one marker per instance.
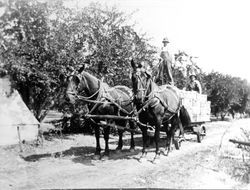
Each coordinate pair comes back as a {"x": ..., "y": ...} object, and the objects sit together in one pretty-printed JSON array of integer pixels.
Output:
[
  {"x": 124, "y": 89},
  {"x": 155, "y": 87},
  {"x": 105, "y": 85}
]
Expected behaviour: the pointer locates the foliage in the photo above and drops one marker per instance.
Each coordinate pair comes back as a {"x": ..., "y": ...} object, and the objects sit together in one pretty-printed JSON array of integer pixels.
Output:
[
  {"x": 23, "y": 51},
  {"x": 112, "y": 43},
  {"x": 183, "y": 67},
  {"x": 41, "y": 41},
  {"x": 226, "y": 93}
]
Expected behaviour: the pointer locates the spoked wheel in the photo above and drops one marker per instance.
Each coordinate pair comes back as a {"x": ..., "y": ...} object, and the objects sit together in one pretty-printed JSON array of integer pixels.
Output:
[{"x": 201, "y": 134}]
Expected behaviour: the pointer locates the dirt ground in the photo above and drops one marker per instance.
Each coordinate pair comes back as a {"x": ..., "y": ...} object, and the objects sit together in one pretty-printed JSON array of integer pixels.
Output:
[{"x": 68, "y": 163}]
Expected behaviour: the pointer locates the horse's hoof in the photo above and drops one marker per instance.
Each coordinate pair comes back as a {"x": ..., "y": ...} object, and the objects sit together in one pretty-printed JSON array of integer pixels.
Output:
[
  {"x": 105, "y": 157},
  {"x": 118, "y": 150},
  {"x": 165, "y": 152},
  {"x": 142, "y": 159},
  {"x": 156, "y": 160},
  {"x": 132, "y": 150},
  {"x": 97, "y": 157},
  {"x": 177, "y": 145}
]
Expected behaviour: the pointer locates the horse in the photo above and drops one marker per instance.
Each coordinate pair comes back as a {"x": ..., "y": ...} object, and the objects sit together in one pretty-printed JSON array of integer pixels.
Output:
[
  {"x": 157, "y": 106},
  {"x": 102, "y": 99}
]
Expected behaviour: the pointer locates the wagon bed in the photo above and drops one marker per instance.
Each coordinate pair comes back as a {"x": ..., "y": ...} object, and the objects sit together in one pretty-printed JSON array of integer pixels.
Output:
[{"x": 199, "y": 110}]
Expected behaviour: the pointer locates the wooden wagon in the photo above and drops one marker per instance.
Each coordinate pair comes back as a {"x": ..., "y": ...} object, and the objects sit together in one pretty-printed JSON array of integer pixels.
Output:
[{"x": 199, "y": 110}]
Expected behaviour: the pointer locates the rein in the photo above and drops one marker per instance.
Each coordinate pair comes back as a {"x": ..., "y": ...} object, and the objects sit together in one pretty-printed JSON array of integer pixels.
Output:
[
  {"x": 153, "y": 95},
  {"x": 99, "y": 100}
]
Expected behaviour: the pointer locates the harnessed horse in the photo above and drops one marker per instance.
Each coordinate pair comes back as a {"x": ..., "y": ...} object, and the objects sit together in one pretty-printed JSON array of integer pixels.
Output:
[
  {"x": 102, "y": 100},
  {"x": 157, "y": 106}
]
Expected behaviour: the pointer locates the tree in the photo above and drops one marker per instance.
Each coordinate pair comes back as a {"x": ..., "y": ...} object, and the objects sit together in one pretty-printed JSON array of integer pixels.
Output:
[
  {"x": 226, "y": 93},
  {"x": 184, "y": 65},
  {"x": 113, "y": 43},
  {"x": 24, "y": 31},
  {"x": 41, "y": 41}
]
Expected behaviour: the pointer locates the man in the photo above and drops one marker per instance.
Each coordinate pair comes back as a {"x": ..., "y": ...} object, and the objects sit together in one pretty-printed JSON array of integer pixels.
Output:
[
  {"x": 164, "y": 74},
  {"x": 194, "y": 84}
]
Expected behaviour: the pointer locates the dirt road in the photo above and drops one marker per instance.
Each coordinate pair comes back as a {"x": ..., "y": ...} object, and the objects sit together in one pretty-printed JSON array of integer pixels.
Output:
[{"x": 68, "y": 163}]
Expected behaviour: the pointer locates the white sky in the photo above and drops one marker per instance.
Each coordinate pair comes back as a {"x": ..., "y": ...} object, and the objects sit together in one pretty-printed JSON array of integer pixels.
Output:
[{"x": 217, "y": 31}]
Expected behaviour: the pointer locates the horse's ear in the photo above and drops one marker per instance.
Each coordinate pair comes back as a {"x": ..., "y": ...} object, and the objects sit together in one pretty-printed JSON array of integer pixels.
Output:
[
  {"x": 148, "y": 74},
  {"x": 81, "y": 68},
  {"x": 77, "y": 79},
  {"x": 61, "y": 78},
  {"x": 133, "y": 64},
  {"x": 102, "y": 79},
  {"x": 153, "y": 79},
  {"x": 139, "y": 65}
]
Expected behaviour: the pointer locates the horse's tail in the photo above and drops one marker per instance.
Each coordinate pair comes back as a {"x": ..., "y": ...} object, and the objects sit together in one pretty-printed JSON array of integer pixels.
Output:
[{"x": 184, "y": 116}]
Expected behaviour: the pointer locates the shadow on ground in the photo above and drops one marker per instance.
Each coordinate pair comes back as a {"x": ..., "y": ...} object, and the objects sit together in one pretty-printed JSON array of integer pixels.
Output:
[{"x": 85, "y": 154}]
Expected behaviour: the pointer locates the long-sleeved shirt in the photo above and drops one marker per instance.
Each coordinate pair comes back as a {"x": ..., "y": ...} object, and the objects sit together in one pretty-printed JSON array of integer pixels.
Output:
[{"x": 194, "y": 86}]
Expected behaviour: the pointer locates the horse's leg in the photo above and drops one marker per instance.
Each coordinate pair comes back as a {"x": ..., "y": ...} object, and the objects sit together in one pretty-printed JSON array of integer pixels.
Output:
[
  {"x": 170, "y": 135},
  {"x": 157, "y": 139},
  {"x": 144, "y": 139},
  {"x": 106, "y": 138},
  {"x": 167, "y": 129},
  {"x": 180, "y": 136},
  {"x": 98, "y": 147},
  {"x": 169, "y": 142},
  {"x": 132, "y": 142},
  {"x": 120, "y": 133},
  {"x": 120, "y": 142}
]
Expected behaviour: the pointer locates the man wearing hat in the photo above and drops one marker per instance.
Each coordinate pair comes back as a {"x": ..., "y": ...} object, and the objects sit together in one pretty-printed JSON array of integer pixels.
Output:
[
  {"x": 164, "y": 74},
  {"x": 194, "y": 84}
]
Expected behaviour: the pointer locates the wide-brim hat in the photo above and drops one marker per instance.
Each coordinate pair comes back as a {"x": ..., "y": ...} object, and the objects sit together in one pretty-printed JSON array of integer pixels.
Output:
[
  {"x": 192, "y": 75},
  {"x": 165, "y": 40}
]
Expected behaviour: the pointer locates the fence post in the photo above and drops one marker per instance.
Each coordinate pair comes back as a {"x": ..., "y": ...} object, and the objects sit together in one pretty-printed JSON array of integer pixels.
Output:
[{"x": 19, "y": 139}]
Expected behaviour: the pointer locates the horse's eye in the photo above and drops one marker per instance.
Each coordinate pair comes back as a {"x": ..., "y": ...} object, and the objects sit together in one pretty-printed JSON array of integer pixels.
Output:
[{"x": 77, "y": 86}]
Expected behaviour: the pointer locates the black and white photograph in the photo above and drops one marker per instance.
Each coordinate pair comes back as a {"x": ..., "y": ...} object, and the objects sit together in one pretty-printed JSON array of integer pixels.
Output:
[{"x": 124, "y": 94}]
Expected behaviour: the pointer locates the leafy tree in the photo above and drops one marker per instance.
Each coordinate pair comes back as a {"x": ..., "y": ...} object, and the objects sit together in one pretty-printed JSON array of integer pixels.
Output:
[
  {"x": 184, "y": 65},
  {"x": 41, "y": 41},
  {"x": 112, "y": 43},
  {"x": 226, "y": 93},
  {"x": 24, "y": 32}
]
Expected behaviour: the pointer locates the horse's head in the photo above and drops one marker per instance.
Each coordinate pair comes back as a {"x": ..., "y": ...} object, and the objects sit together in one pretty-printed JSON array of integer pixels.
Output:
[
  {"x": 140, "y": 82},
  {"x": 73, "y": 84},
  {"x": 82, "y": 83}
]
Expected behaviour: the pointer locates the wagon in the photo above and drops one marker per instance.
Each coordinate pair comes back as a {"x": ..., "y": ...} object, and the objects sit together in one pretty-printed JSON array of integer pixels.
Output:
[
  {"x": 199, "y": 110},
  {"x": 197, "y": 128}
]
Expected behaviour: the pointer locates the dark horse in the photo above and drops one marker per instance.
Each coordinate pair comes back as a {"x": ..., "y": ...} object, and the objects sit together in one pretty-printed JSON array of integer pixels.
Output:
[
  {"x": 157, "y": 106},
  {"x": 102, "y": 100}
]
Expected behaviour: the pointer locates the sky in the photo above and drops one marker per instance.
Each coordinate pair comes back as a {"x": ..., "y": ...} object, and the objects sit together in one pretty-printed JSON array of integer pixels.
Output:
[{"x": 216, "y": 31}]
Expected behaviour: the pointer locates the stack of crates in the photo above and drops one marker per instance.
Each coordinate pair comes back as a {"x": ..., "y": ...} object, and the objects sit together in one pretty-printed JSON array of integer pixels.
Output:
[{"x": 196, "y": 104}]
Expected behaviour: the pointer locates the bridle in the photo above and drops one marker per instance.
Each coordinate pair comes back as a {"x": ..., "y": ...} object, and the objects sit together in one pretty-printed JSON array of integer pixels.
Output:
[
  {"x": 143, "y": 87},
  {"x": 87, "y": 88}
]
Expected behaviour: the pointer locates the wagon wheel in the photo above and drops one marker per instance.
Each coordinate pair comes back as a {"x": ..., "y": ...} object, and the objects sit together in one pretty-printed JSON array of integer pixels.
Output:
[{"x": 201, "y": 134}]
